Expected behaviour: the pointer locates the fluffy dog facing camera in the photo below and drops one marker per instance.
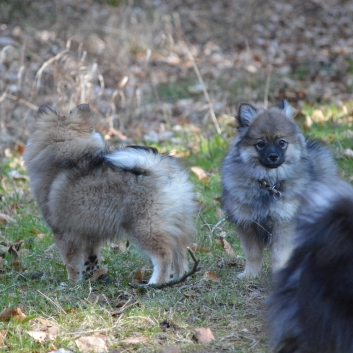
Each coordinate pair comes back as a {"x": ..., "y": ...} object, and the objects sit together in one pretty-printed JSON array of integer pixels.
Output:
[
  {"x": 311, "y": 309},
  {"x": 89, "y": 194},
  {"x": 269, "y": 166}
]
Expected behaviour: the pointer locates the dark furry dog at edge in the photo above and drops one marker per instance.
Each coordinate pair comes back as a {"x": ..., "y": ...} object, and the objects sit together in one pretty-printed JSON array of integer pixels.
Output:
[
  {"x": 269, "y": 166},
  {"x": 90, "y": 194},
  {"x": 311, "y": 310}
]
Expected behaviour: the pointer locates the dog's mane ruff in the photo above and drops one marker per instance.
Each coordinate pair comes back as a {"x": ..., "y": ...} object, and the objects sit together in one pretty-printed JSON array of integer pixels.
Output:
[{"x": 135, "y": 158}]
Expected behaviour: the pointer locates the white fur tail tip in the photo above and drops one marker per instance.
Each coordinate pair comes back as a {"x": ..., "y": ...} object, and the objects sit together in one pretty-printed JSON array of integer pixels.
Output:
[{"x": 131, "y": 158}]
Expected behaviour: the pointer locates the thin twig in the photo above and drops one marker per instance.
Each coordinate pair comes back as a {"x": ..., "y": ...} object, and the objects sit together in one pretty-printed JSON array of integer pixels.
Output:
[
  {"x": 174, "y": 281},
  {"x": 217, "y": 224},
  {"x": 52, "y": 301},
  {"x": 21, "y": 100},
  {"x": 267, "y": 86},
  {"x": 46, "y": 64},
  {"x": 199, "y": 77}
]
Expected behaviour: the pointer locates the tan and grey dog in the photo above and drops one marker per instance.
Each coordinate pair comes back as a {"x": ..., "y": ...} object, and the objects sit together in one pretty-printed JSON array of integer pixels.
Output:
[
  {"x": 268, "y": 168},
  {"x": 89, "y": 194}
]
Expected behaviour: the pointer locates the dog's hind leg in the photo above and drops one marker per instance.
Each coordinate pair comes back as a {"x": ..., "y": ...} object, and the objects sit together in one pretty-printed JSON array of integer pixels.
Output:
[
  {"x": 71, "y": 255},
  {"x": 160, "y": 250},
  {"x": 253, "y": 249},
  {"x": 180, "y": 262}
]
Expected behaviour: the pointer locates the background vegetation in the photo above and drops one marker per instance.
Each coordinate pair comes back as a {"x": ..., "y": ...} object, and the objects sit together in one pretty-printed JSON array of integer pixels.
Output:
[{"x": 169, "y": 74}]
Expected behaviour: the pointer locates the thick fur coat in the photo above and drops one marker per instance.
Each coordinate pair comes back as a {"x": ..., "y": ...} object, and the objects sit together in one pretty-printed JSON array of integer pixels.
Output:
[
  {"x": 268, "y": 168},
  {"x": 311, "y": 309},
  {"x": 89, "y": 194}
]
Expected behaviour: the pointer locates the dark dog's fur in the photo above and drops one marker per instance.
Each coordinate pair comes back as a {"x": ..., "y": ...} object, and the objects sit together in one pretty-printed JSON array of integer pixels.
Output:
[{"x": 311, "y": 310}]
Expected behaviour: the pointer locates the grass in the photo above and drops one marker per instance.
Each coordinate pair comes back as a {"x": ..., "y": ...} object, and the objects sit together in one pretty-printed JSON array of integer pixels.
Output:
[
  {"x": 116, "y": 59},
  {"x": 232, "y": 309}
]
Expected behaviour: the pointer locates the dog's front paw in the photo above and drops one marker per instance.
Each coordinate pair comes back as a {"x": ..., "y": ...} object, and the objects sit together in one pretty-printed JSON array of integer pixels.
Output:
[{"x": 246, "y": 275}]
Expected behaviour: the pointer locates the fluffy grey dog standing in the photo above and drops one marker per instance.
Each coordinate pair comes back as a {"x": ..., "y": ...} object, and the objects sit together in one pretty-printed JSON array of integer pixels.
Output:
[
  {"x": 268, "y": 168},
  {"x": 90, "y": 195},
  {"x": 311, "y": 309}
]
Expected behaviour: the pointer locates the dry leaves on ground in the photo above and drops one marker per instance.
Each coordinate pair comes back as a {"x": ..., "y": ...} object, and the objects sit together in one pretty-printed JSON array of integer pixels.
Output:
[
  {"x": 2, "y": 337},
  {"x": 226, "y": 246},
  {"x": 44, "y": 330},
  {"x": 348, "y": 153},
  {"x": 5, "y": 219},
  {"x": 204, "y": 335},
  {"x": 95, "y": 343},
  {"x": 122, "y": 246},
  {"x": 12, "y": 313},
  {"x": 98, "y": 273},
  {"x": 200, "y": 173},
  {"x": 210, "y": 276},
  {"x": 135, "y": 340}
]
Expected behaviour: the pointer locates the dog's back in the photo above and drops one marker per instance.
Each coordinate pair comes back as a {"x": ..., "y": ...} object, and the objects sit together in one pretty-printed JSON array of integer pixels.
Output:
[
  {"x": 322, "y": 164},
  {"x": 311, "y": 309}
]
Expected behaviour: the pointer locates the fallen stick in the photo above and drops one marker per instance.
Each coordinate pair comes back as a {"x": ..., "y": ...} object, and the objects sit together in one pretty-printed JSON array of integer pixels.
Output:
[{"x": 174, "y": 281}]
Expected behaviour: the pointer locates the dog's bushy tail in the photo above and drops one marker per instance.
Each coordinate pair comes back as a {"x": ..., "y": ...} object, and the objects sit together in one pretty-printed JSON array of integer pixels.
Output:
[{"x": 311, "y": 309}]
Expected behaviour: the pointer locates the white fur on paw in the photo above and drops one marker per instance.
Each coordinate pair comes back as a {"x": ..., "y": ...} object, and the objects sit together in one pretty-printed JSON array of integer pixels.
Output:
[{"x": 246, "y": 275}]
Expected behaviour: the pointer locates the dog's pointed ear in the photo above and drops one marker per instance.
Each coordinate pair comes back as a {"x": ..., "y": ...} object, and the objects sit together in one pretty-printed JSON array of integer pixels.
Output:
[
  {"x": 82, "y": 109},
  {"x": 45, "y": 109},
  {"x": 246, "y": 114},
  {"x": 84, "y": 114},
  {"x": 286, "y": 108}
]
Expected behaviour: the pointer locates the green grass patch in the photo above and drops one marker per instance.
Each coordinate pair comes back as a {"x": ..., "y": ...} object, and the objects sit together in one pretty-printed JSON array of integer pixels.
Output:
[{"x": 233, "y": 309}]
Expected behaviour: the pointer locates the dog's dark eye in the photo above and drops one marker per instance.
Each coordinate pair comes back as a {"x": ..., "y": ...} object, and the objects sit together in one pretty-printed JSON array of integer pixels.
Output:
[
  {"x": 260, "y": 145},
  {"x": 282, "y": 143}
]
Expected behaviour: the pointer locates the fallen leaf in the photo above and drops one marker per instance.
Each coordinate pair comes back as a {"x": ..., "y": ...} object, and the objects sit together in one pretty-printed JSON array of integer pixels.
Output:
[
  {"x": 4, "y": 219},
  {"x": 101, "y": 299},
  {"x": 44, "y": 322},
  {"x": 348, "y": 153},
  {"x": 210, "y": 276},
  {"x": 135, "y": 340},
  {"x": 251, "y": 69},
  {"x": 204, "y": 335},
  {"x": 16, "y": 264},
  {"x": 100, "y": 272},
  {"x": 15, "y": 175},
  {"x": 53, "y": 332},
  {"x": 200, "y": 173},
  {"x": 227, "y": 248},
  {"x": 120, "y": 246},
  {"x": 170, "y": 349},
  {"x": 35, "y": 231},
  {"x": 39, "y": 336},
  {"x": 14, "y": 208},
  {"x": 140, "y": 275},
  {"x": 2, "y": 337},
  {"x": 63, "y": 350},
  {"x": 121, "y": 304},
  {"x": 91, "y": 344},
  {"x": 219, "y": 213},
  {"x": 318, "y": 116},
  {"x": 196, "y": 248},
  {"x": 9, "y": 313}
]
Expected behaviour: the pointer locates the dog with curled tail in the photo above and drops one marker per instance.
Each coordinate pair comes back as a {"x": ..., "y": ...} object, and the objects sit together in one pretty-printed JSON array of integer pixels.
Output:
[{"x": 90, "y": 194}]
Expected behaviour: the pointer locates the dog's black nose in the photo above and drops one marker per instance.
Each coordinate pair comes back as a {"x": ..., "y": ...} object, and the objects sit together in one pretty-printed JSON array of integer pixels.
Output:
[{"x": 273, "y": 157}]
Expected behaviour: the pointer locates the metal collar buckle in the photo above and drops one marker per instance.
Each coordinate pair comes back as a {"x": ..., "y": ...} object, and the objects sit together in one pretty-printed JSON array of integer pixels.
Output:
[{"x": 276, "y": 194}]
